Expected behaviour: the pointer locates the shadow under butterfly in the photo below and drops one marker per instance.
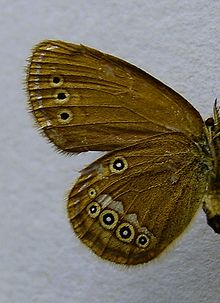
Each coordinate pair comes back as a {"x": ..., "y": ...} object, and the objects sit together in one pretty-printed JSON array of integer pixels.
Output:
[{"x": 163, "y": 160}]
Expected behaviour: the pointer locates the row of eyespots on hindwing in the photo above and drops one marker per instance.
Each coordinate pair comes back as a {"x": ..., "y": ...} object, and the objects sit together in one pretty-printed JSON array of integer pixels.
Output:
[{"x": 109, "y": 219}]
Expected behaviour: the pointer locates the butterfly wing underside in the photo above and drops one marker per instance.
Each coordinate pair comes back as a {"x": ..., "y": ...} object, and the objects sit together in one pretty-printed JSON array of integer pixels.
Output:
[
  {"x": 131, "y": 204},
  {"x": 86, "y": 100}
]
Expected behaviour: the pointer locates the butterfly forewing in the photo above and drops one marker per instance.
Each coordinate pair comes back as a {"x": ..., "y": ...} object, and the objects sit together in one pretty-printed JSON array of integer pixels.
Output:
[{"x": 86, "y": 100}]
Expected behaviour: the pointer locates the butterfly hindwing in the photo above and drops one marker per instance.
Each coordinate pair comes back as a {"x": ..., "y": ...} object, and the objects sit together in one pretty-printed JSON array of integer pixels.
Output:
[
  {"x": 86, "y": 100},
  {"x": 129, "y": 205}
]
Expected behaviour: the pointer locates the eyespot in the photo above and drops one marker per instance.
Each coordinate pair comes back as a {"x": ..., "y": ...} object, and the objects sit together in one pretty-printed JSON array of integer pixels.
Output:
[
  {"x": 93, "y": 209},
  {"x": 56, "y": 80},
  {"x": 118, "y": 165},
  {"x": 142, "y": 241},
  {"x": 61, "y": 96},
  {"x": 125, "y": 232},
  {"x": 65, "y": 116},
  {"x": 92, "y": 193},
  {"x": 108, "y": 219}
]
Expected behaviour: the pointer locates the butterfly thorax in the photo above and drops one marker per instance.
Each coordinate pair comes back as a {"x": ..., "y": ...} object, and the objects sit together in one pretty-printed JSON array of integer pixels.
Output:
[{"x": 211, "y": 203}]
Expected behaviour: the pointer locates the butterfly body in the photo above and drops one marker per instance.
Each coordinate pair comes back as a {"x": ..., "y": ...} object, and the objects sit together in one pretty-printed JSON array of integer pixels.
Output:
[
  {"x": 129, "y": 205},
  {"x": 211, "y": 200}
]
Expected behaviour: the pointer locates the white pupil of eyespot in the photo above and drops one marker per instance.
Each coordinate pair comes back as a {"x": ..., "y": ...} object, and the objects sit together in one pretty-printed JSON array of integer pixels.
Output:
[
  {"x": 108, "y": 219},
  {"x": 125, "y": 232},
  {"x": 119, "y": 164}
]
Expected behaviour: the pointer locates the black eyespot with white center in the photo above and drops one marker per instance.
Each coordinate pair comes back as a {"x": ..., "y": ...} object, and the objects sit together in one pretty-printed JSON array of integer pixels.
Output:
[
  {"x": 93, "y": 209},
  {"x": 108, "y": 219},
  {"x": 125, "y": 232},
  {"x": 142, "y": 241},
  {"x": 118, "y": 165}
]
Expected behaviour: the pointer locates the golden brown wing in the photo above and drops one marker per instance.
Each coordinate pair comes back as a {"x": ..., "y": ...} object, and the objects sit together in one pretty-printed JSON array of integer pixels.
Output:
[
  {"x": 86, "y": 100},
  {"x": 129, "y": 205}
]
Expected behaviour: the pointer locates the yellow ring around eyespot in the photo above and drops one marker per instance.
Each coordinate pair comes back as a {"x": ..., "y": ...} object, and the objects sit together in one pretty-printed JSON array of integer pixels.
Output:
[
  {"x": 113, "y": 163},
  {"x": 143, "y": 245},
  {"x": 66, "y": 120},
  {"x": 55, "y": 83},
  {"x": 96, "y": 207},
  {"x": 130, "y": 227},
  {"x": 104, "y": 215},
  {"x": 92, "y": 193}
]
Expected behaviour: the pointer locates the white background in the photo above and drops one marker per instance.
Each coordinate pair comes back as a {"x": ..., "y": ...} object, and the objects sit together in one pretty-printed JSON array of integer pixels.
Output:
[{"x": 41, "y": 260}]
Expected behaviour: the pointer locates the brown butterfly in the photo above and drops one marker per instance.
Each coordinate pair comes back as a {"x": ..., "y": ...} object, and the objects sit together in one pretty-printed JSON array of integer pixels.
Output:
[{"x": 162, "y": 160}]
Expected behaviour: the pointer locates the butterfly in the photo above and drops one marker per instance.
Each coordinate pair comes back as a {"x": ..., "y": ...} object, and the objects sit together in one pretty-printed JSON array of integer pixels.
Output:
[{"x": 162, "y": 159}]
